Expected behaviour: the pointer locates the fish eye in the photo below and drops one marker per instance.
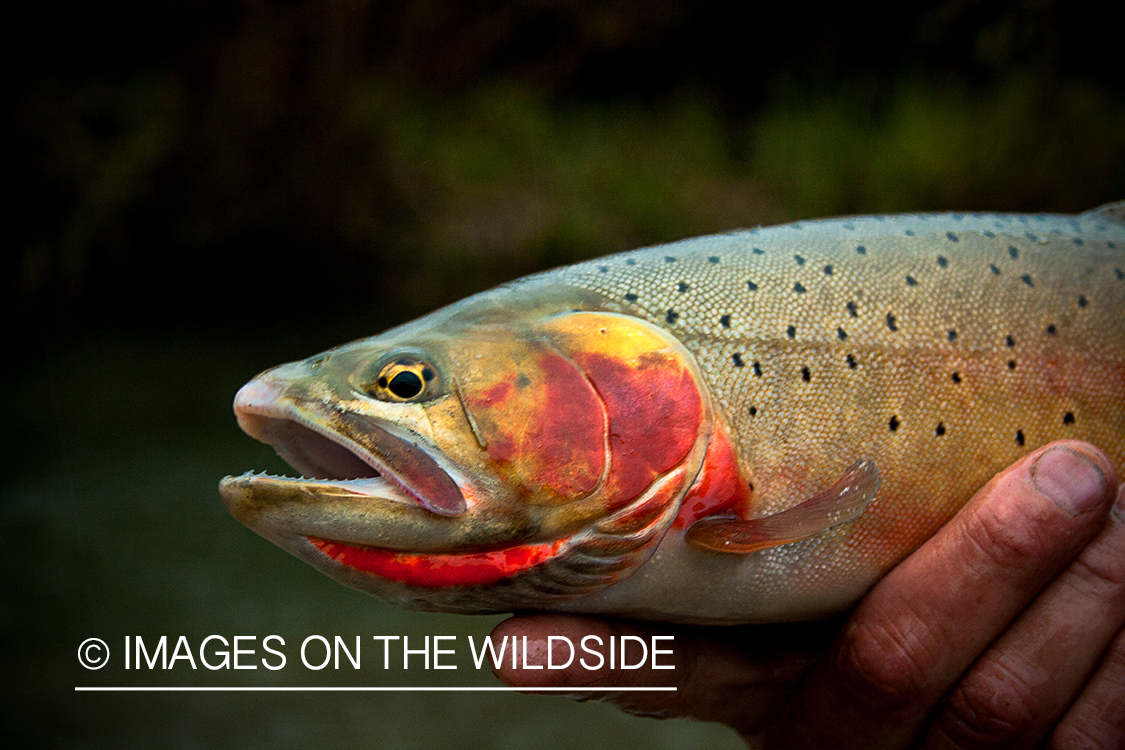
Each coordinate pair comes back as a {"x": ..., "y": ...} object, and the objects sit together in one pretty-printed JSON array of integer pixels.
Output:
[{"x": 405, "y": 379}]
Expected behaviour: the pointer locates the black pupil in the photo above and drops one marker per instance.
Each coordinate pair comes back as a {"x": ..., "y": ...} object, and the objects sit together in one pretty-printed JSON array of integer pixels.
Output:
[{"x": 406, "y": 385}]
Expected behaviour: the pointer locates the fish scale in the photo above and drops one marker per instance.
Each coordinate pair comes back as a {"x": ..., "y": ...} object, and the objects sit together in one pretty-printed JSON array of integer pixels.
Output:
[{"x": 940, "y": 347}]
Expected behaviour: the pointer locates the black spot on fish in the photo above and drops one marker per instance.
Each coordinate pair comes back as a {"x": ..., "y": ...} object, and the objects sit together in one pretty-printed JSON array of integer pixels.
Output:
[
  {"x": 861, "y": 250},
  {"x": 893, "y": 424},
  {"x": 630, "y": 297},
  {"x": 956, "y": 377},
  {"x": 1026, "y": 278},
  {"x": 1013, "y": 252},
  {"x": 725, "y": 321},
  {"x": 805, "y": 374},
  {"x": 672, "y": 316},
  {"x": 1119, "y": 274},
  {"x": 603, "y": 269},
  {"x": 1078, "y": 241},
  {"x": 1019, "y": 437},
  {"x": 841, "y": 334},
  {"x": 909, "y": 232},
  {"x": 987, "y": 233},
  {"x": 941, "y": 261},
  {"x": 751, "y": 286},
  {"x": 791, "y": 332},
  {"x": 753, "y": 411},
  {"x": 891, "y": 323},
  {"x": 1068, "y": 418},
  {"x": 1051, "y": 330},
  {"x": 951, "y": 335},
  {"x": 911, "y": 281},
  {"x": 682, "y": 287},
  {"x": 951, "y": 237},
  {"x": 1011, "y": 364},
  {"x": 939, "y": 430},
  {"x": 737, "y": 359},
  {"x": 714, "y": 259},
  {"x": 828, "y": 270},
  {"x": 994, "y": 269},
  {"x": 1082, "y": 301},
  {"x": 758, "y": 251},
  {"x": 852, "y": 309},
  {"x": 850, "y": 359},
  {"x": 799, "y": 259},
  {"x": 799, "y": 288},
  {"x": 669, "y": 259},
  {"x": 757, "y": 368},
  {"x": 1009, "y": 340},
  {"x": 630, "y": 262}
]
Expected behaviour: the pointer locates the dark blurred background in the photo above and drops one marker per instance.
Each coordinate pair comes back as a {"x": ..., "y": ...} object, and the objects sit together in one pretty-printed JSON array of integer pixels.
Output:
[
  {"x": 202, "y": 190},
  {"x": 204, "y": 163}
]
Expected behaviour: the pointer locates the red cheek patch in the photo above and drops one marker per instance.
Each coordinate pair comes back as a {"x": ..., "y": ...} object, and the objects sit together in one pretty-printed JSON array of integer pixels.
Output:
[{"x": 654, "y": 416}]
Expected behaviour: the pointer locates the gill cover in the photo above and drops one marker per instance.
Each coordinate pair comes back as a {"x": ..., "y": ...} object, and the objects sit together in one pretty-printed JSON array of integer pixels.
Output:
[{"x": 577, "y": 418}]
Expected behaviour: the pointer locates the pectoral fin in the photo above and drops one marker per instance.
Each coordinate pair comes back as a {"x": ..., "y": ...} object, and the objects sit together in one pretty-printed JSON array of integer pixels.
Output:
[{"x": 841, "y": 503}]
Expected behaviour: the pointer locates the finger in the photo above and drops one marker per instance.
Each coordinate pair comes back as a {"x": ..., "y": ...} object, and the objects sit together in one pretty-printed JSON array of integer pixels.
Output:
[
  {"x": 1024, "y": 683},
  {"x": 924, "y": 624},
  {"x": 733, "y": 675},
  {"x": 1097, "y": 719}
]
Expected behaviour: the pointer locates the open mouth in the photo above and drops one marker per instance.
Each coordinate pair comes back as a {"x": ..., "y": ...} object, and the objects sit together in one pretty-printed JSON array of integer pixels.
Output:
[
  {"x": 337, "y": 468},
  {"x": 351, "y": 452}
]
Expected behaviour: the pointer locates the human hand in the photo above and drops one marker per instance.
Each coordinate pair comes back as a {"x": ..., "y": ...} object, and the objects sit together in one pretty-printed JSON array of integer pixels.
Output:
[{"x": 1004, "y": 629}]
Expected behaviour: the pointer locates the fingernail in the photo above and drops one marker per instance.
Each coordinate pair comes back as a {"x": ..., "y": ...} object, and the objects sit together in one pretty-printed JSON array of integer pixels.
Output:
[
  {"x": 1119, "y": 506},
  {"x": 1070, "y": 479}
]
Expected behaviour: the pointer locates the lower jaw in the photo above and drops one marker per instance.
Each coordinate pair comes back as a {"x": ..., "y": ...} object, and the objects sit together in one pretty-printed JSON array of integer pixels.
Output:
[{"x": 430, "y": 570}]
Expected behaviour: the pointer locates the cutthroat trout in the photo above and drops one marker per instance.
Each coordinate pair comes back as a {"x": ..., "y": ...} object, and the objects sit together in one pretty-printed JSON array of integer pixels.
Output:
[{"x": 746, "y": 427}]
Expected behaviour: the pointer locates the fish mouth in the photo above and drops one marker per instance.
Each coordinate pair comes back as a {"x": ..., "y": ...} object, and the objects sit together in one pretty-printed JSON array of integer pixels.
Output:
[
  {"x": 338, "y": 473},
  {"x": 340, "y": 453},
  {"x": 381, "y": 514}
]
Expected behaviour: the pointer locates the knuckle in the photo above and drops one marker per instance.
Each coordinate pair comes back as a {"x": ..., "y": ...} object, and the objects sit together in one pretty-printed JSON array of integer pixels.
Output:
[
  {"x": 989, "y": 709},
  {"x": 1009, "y": 537},
  {"x": 886, "y": 667}
]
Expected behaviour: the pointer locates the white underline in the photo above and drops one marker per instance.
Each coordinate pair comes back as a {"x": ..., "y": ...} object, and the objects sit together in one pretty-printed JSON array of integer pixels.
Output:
[{"x": 159, "y": 689}]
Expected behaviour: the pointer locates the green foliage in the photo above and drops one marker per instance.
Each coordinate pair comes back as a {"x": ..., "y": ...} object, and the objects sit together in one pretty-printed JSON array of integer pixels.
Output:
[{"x": 1015, "y": 144}]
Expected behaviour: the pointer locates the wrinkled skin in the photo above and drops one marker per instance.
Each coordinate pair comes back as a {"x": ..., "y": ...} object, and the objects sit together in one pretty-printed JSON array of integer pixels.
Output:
[{"x": 1004, "y": 630}]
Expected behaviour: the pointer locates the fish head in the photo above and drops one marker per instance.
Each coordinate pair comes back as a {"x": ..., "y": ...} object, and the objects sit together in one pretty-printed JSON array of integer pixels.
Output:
[{"x": 479, "y": 462}]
